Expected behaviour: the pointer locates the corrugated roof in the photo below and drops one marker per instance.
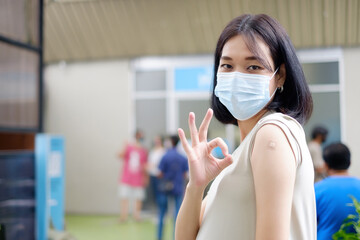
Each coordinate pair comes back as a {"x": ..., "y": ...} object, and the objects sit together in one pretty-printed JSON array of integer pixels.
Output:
[{"x": 101, "y": 29}]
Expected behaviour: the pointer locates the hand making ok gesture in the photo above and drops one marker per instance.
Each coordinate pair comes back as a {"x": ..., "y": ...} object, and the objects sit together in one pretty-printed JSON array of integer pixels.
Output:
[{"x": 203, "y": 166}]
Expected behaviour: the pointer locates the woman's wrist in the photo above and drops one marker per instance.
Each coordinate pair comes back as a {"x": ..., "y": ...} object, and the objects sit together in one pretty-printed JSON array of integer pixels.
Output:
[{"x": 194, "y": 189}]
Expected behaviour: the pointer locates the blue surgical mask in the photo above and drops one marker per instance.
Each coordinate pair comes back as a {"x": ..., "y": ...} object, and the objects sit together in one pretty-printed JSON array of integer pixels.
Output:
[{"x": 243, "y": 94}]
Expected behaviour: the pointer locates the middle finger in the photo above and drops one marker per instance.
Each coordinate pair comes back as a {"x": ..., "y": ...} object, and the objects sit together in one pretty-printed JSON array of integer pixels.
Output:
[
  {"x": 205, "y": 125},
  {"x": 193, "y": 130}
]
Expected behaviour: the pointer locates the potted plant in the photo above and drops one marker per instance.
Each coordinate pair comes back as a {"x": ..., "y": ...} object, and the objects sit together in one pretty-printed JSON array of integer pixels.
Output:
[{"x": 352, "y": 221}]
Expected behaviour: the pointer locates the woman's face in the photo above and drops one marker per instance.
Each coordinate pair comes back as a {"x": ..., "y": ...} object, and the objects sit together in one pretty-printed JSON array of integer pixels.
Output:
[{"x": 236, "y": 57}]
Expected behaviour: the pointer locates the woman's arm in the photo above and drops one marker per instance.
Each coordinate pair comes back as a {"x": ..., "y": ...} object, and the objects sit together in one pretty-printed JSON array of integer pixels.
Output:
[
  {"x": 274, "y": 169},
  {"x": 190, "y": 214},
  {"x": 203, "y": 167}
]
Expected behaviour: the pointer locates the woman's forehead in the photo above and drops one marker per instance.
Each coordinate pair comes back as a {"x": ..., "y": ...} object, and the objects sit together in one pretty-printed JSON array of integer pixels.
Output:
[{"x": 239, "y": 47}]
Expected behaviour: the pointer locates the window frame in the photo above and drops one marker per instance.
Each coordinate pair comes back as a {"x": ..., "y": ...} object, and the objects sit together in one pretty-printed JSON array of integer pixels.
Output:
[
  {"x": 39, "y": 51},
  {"x": 169, "y": 64},
  {"x": 320, "y": 55}
]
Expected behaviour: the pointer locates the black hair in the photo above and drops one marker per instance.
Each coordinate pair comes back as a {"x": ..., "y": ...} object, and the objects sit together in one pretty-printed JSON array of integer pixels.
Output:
[
  {"x": 174, "y": 140},
  {"x": 295, "y": 100},
  {"x": 337, "y": 156},
  {"x": 319, "y": 130}
]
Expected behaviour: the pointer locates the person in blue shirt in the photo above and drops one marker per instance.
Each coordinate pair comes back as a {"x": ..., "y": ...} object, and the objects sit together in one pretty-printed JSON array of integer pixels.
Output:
[
  {"x": 173, "y": 172},
  {"x": 333, "y": 202}
]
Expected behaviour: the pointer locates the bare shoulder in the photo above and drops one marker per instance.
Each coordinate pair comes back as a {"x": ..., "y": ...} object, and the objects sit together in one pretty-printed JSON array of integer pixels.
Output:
[
  {"x": 270, "y": 132},
  {"x": 271, "y": 139}
]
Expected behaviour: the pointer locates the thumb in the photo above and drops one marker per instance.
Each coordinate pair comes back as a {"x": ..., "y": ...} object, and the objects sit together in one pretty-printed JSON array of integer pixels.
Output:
[{"x": 225, "y": 162}]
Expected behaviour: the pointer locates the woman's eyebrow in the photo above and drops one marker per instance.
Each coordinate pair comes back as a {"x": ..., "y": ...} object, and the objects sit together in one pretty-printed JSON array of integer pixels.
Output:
[
  {"x": 246, "y": 58},
  {"x": 252, "y": 58},
  {"x": 226, "y": 58}
]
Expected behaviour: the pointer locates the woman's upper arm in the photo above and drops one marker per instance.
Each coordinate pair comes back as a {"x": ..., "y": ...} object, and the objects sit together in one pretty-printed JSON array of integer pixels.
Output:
[{"x": 274, "y": 169}]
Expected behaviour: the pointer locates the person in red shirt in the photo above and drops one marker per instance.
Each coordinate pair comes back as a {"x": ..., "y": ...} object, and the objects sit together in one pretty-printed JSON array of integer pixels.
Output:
[{"x": 133, "y": 177}]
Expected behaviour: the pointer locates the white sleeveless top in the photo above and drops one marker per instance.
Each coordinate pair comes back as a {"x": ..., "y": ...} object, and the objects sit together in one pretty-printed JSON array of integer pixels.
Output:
[{"x": 230, "y": 211}]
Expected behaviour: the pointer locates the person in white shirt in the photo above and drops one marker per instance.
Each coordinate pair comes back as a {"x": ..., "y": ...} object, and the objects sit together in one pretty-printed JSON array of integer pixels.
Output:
[
  {"x": 155, "y": 155},
  {"x": 318, "y": 137}
]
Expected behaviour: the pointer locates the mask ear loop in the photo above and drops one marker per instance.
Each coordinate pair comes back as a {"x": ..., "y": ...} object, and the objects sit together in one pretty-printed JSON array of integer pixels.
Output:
[
  {"x": 274, "y": 73},
  {"x": 270, "y": 79},
  {"x": 281, "y": 89}
]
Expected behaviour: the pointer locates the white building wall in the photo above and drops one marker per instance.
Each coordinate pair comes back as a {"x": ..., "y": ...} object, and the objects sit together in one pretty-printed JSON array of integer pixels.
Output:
[
  {"x": 352, "y": 108},
  {"x": 89, "y": 104}
]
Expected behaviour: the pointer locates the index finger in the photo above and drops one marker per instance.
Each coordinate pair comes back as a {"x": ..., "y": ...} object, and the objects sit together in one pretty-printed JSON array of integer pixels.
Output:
[
  {"x": 184, "y": 141},
  {"x": 218, "y": 142}
]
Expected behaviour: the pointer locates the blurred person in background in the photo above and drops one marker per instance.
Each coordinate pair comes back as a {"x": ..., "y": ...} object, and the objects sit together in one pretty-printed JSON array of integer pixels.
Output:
[
  {"x": 173, "y": 172},
  {"x": 133, "y": 178},
  {"x": 318, "y": 137},
  {"x": 333, "y": 202},
  {"x": 265, "y": 189},
  {"x": 155, "y": 156}
]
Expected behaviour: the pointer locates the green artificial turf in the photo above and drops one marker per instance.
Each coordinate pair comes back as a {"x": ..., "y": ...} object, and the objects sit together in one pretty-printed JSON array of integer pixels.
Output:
[{"x": 84, "y": 227}]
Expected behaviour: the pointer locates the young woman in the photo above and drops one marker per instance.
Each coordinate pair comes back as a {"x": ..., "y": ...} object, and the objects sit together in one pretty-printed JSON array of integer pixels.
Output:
[{"x": 264, "y": 190}]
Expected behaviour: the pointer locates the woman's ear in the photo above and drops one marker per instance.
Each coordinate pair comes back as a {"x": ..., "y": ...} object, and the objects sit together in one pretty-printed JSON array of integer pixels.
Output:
[{"x": 281, "y": 76}]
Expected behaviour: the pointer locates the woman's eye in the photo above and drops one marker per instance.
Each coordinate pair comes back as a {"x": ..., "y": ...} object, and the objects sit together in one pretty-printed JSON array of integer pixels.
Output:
[
  {"x": 254, "y": 67},
  {"x": 226, "y": 66}
]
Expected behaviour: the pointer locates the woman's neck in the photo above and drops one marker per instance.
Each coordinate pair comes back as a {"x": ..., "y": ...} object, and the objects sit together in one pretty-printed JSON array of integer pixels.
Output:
[{"x": 247, "y": 125}]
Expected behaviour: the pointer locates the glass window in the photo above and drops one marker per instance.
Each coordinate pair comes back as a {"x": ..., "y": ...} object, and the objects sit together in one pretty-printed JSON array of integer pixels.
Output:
[
  {"x": 327, "y": 113},
  {"x": 199, "y": 107},
  {"x": 151, "y": 118},
  {"x": 321, "y": 72},
  {"x": 150, "y": 80},
  {"x": 19, "y": 20},
  {"x": 318, "y": 74},
  {"x": 19, "y": 87},
  {"x": 193, "y": 79}
]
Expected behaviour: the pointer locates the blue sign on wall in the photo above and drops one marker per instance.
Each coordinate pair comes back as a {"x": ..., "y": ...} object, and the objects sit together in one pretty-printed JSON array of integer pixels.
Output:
[{"x": 193, "y": 78}]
